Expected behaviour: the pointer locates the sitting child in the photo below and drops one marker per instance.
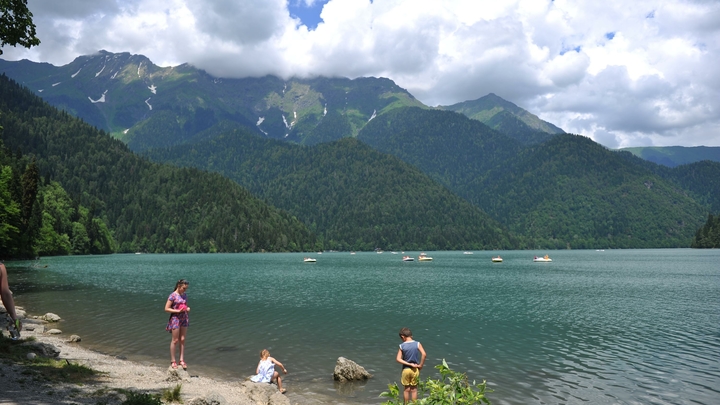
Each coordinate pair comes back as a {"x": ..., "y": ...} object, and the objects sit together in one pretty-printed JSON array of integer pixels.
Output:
[{"x": 265, "y": 371}]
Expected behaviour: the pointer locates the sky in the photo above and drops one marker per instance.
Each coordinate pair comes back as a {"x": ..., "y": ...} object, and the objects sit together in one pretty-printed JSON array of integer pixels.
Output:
[{"x": 624, "y": 73}]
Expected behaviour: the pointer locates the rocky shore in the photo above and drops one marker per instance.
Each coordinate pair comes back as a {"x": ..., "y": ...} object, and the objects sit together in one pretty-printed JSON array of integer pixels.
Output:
[{"x": 19, "y": 384}]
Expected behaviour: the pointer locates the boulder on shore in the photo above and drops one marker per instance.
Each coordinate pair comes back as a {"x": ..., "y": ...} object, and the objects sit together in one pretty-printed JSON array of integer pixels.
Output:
[
  {"x": 50, "y": 317},
  {"x": 348, "y": 370},
  {"x": 263, "y": 393}
]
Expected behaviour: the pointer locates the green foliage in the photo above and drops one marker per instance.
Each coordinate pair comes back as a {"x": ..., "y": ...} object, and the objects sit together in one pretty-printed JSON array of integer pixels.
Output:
[
  {"x": 708, "y": 237},
  {"x": 172, "y": 395},
  {"x": 16, "y": 24},
  {"x": 141, "y": 398},
  {"x": 121, "y": 199},
  {"x": 450, "y": 389}
]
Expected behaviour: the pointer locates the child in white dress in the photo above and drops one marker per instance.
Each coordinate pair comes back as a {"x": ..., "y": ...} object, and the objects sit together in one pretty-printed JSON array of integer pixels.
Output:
[{"x": 265, "y": 371}]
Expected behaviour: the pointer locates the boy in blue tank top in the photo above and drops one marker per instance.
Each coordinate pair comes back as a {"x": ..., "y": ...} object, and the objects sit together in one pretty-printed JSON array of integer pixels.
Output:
[{"x": 412, "y": 356}]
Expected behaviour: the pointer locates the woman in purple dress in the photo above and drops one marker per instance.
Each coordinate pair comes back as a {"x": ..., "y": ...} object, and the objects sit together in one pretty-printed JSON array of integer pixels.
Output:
[{"x": 179, "y": 321}]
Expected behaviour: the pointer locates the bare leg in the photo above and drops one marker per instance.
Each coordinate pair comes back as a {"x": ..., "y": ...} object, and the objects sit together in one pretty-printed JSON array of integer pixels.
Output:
[
  {"x": 173, "y": 342},
  {"x": 406, "y": 393},
  {"x": 182, "y": 333},
  {"x": 276, "y": 377},
  {"x": 413, "y": 392}
]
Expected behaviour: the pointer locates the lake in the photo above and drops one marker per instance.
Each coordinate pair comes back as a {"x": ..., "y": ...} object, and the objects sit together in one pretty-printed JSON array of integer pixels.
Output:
[{"x": 599, "y": 327}]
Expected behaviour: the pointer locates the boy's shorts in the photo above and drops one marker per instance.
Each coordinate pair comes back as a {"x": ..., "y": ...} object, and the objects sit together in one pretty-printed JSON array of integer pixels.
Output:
[{"x": 410, "y": 376}]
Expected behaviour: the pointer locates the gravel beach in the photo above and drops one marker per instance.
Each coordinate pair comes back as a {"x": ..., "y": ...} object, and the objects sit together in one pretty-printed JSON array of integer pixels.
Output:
[{"x": 19, "y": 384}]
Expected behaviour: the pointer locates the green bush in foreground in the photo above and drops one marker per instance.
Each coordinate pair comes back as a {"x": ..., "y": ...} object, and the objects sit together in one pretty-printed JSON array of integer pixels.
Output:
[{"x": 452, "y": 388}]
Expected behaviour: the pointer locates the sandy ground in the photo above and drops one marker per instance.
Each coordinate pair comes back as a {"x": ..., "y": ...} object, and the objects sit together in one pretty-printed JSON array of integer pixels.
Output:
[{"x": 20, "y": 385}]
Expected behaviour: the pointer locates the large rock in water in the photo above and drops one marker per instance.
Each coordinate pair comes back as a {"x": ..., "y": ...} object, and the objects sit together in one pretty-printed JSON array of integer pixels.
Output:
[{"x": 348, "y": 370}]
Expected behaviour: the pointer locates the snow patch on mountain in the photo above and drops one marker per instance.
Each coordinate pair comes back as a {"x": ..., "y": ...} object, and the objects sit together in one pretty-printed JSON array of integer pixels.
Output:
[
  {"x": 285, "y": 122},
  {"x": 41, "y": 90},
  {"x": 76, "y": 73},
  {"x": 374, "y": 114},
  {"x": 126, "y": 131},
  {"x": 325, "y": 111},
  {"x": 55, "y": 84},
  {"x": 114, "y": 74},
  {"x": 100, "y": 100},
  {"x": 139, "y": 66},
  {"x": 153, "y": 89},
  {"x": 260, "y": 121},
  {"x": 148, "y": 104},
  {"x": 101, "y": 70}
]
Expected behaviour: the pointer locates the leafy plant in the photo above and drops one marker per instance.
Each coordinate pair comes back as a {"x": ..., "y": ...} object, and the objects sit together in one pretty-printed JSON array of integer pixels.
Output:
[
  {"x": 172, "y": 395},
  {"x": 451, "y": 388}
]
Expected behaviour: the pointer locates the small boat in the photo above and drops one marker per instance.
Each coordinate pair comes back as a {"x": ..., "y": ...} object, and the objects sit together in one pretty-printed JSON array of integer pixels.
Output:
[
  {"x": 542, "y": 259},
  {"x": 467, "y": 253},
  {"x": 423, "y": 258},
  {"x": 408, "y": 259},
  {"x": 497, "y": 259},
  {"x": 309, "y": 260}
]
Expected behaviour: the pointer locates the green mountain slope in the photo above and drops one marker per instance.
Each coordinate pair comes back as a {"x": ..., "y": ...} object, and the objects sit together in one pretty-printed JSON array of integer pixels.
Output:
[
  {"x": 572, "y": 192},
  {"x": 148, "y": 106},
  {"x": 148, "y": 207},
  {"x": 351, "y": 195},
  {"x": 567, "y": 192},
  {"x": 448, "y": 147},
  {"x": 506, "y": 117},
  {"x": 673, "y": 156}
]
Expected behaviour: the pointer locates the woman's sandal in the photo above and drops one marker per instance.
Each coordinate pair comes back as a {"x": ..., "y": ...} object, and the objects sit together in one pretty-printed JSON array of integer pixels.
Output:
[
  {"x": 173, "y": 364},
  {"x": 282, "y": 391},
  {"x": 184, "y": 366}
]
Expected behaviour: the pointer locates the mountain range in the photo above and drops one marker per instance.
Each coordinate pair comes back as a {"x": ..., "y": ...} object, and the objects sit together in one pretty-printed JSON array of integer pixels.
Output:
[{"x": 364, "y": 164}]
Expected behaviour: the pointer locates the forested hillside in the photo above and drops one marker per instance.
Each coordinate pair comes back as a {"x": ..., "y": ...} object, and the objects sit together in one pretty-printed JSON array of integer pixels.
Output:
[
  {"x": 568, "y": 192},
  {"x": 709, "y": 235},
  {"x": 349, "y": 194},
  {"x": 147, "y": 206},
  {"x": 39, "y": 218}
]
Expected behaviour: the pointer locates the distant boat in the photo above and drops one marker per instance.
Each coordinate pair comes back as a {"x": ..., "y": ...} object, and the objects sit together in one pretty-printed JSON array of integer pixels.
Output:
[
  {"x": 309, "y": 260},
  {"x": 497, "y": 259},
  {"x": 408, "y": 259},
  {"x": 352, "y": 253},
  {"x": 542, "y": 259},
  {"x": 423, "y": 258},
  {"x": 467, "y": 253}
]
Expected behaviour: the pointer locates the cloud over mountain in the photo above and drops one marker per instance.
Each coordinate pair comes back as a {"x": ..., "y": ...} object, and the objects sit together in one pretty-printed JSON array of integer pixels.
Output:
[{"x": 625, "y": 74}]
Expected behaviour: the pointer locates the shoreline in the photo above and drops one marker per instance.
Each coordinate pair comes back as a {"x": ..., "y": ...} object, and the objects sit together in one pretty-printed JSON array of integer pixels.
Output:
[{"x": 116, "y": 375}]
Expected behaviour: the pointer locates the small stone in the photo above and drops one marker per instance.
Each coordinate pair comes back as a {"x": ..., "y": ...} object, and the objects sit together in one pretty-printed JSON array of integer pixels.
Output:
[
  {"x": 31, "y": 356},
  {"x": 74, "y": 339},
  {"x": 54, "y": 332}
]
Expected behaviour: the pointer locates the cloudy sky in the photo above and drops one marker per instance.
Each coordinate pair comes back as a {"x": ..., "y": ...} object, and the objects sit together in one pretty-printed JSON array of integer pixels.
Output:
[{"x": 625, "y": 73}]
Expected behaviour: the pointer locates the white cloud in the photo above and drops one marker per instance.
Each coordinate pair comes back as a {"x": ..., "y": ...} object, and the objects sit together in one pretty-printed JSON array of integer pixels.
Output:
[{"x": 624, "y": 73}]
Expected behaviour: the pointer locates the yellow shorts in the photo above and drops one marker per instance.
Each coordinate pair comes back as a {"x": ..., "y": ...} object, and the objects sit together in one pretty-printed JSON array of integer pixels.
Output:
[{"x": 410, "y": 376}]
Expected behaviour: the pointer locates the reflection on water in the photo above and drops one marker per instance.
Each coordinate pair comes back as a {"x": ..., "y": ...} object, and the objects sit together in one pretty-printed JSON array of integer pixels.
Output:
[{"x": 624, "y": 326}]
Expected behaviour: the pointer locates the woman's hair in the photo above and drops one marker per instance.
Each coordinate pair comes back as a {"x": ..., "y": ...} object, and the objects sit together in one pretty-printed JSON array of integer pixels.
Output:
[
  {"x": 264, "y": 354},
  {"x": 181, "y": 282}
]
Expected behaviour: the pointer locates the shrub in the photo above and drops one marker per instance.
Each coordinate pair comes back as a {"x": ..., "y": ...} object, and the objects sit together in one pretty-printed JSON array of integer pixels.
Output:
[{"x": 452, "y": 388}]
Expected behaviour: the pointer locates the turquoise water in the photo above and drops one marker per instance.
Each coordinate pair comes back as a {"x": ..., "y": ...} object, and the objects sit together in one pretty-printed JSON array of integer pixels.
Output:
[{"x": 618, "y": 326}]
